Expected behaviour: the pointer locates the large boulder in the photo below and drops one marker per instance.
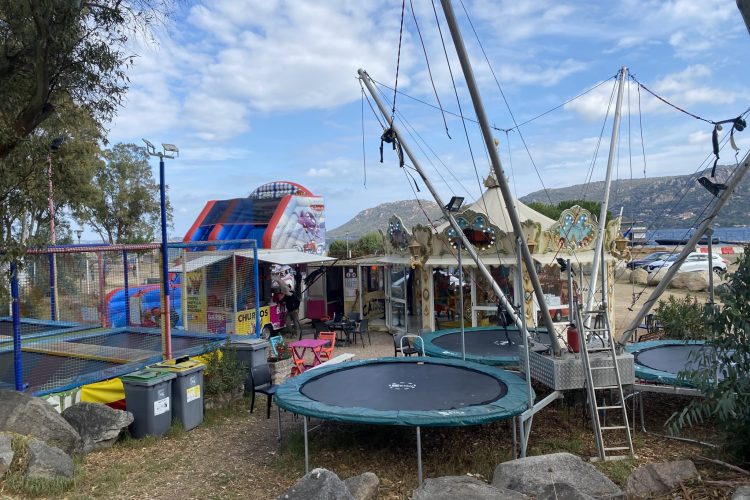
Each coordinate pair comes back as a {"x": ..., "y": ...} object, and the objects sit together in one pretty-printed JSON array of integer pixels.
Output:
[
  {"x": 6, "y": 452},
  {"x": 660, "y": 478},
  {"x": 27, "y": 415},
  {"x": 656, "y": 277},
  {"x": 639, "y": 276},
  {"x": 463, "y": 487},
  {"x": 531, "y": 475},
  {"x": 557, "y": 491},
  {"x": 694, "y": 281},
  {"x": 742, "y": 493},
  {"x": 623, "y": 275},
  {"x": 320, "y": 484},
  {"x": 363, "y": 487},
  {"x": 98, "y": 425},
  {"x": 48, "y": 462}
]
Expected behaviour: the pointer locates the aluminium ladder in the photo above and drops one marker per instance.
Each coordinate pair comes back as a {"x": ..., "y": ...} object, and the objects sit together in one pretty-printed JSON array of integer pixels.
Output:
[{"x": 595, "y": 324}]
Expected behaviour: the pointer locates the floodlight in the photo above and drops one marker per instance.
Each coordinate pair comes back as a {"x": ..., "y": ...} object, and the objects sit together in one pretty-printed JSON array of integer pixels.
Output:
[
  {"x": 170, "y": 148},
  {"x": 150, "y": 148},
  {"x": 455, "y": 204}
]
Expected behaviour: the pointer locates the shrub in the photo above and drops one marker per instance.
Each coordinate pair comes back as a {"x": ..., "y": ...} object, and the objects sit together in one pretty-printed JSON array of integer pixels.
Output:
[
  {"x": 727, "y": 399},
  {"x": 683, "y": 318},
  {"x": 224, "y": 371}
]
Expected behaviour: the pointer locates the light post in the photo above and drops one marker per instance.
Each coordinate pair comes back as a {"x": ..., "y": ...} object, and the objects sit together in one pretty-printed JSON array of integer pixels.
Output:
[
  {"x": 348, "y": 254},
  {"x": 454, "y": 205},
  {"x": 169, "y": 151},
  {"x": 54, "y": 146},
  {"x": 79, "y": 232}
]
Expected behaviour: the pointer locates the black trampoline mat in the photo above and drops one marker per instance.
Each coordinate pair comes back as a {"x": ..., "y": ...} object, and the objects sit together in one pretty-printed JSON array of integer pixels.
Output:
[
  {"x": 139, "y": 340},
  {"x": 483, "y": 342},
  {"x": 405, "y": 386},
  {"x": 672, "y": 358},
  {"x": 6, "y": 328}
]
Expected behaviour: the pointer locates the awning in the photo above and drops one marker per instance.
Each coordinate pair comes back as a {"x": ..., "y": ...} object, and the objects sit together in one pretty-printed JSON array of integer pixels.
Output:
[
  {"x": 487, "y": 260},
  {"x": 195, "y": 263},
  {"x": 395, "y": 259},
  {"x": 285, "y": 256}
]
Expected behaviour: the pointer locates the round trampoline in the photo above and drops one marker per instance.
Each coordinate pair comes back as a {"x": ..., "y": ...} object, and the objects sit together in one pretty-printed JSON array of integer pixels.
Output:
[
  {"x": 406, "y": 391},
  {"x": 494, "y": 345},
  {"x": 662, "y": 360}
]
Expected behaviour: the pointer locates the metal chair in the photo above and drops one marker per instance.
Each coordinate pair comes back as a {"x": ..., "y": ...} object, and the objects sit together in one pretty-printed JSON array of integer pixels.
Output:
[
  {"x": 402, "y": 345},
  {"x": 261, "y": 382},
  {"x": 361, "y": 328}
]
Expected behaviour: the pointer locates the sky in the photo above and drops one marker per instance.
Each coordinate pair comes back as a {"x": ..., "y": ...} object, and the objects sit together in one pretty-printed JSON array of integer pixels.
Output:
[{"x": 253, "y": 91}]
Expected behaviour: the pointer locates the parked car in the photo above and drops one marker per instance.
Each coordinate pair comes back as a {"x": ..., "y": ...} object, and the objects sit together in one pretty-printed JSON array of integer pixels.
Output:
[
  {"x": 646, "y": 260},
  {"x": 695, "y": 261}
]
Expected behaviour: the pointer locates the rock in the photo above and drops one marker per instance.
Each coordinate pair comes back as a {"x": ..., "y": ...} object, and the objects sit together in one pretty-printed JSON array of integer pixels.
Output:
[
  {"x": 531, "y": 475},
  {"x": 463, "y": 487},
  {"x": 30, "y": 416},
  {"x": 6, "y": 453},
  {"x": 656, "y": 277},
  {"x": 660, "y": 478},
  {"x": 639, "y": 276},
  {"x": 318, "y": 484},
  {"x": 48, "y": 462},
  {"x": 364, "y": 486},
  {"x": 742, "y": 493},
  {"x": 694, "y": 282},
  {"x": 556, "y": 491},
  {"x": 623, "y": 275},
  {"x": 98, "y": 425}
]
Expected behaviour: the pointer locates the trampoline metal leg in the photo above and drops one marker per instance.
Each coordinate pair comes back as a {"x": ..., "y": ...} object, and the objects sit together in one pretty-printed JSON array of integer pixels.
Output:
[
  {"x": 307, "y": 455},
  {"x": 514, "y": 451},
  {"x": 278, "y": 420},
  {"x": 419, "y": 455}
]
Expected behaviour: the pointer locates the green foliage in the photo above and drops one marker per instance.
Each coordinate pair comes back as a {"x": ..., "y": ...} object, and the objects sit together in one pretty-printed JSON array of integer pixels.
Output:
[
  {"x": 369, "y": 244},
  {"x": 124, "y": 204},
  {"x": 52, "y": 51},
  {"x": 224, "y": 371},
  {"x": 554, "y": 211},
  {"x": 337, "y": 248},
  {"x": 726, "y": 400},
  {"x": 683, "y": 318}
]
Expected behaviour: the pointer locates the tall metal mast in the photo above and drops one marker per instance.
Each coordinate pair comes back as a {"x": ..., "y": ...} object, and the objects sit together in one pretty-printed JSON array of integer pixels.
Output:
[
  {"x": 598, "y": 255},
  {"x": 448, "y": 215},
  {"x": 484, "y": 124}
]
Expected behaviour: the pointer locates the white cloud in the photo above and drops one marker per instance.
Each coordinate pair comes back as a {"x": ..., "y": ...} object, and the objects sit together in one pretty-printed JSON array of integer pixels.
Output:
[{"x": 320, "y": 172}]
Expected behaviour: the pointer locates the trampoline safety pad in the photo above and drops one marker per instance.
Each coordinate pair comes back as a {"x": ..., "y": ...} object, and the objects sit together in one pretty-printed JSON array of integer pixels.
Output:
[{"x": 406, "y": 391}]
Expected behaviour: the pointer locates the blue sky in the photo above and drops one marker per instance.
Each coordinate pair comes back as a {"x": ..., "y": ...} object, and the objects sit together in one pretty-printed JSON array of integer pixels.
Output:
[{"x": 259, "y": 90}]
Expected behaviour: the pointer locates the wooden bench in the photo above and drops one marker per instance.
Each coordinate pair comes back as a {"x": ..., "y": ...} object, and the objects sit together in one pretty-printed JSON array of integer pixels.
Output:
[{"x": 335, "y": 360}]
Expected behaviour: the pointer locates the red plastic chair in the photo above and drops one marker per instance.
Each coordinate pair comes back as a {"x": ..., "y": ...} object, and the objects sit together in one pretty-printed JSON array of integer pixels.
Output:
[
  {"x": 326, "y": 352},
  {"x": 299, "y": 364}
]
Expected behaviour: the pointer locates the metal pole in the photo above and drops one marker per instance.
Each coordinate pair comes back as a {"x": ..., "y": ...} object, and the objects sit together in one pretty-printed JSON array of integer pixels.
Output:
[
  {"x": 461, "y": 301},
  {"x": 709, "y": 233},
  {"x": 613, "y": 143},
  {"x": 489, "y": 141},
  {"x": 731, "y": 184},
  {"x": 570, "y": 291},
  {"x": 183, "y": 290},
  {"x": 448, "y": 215},
  {"x": 307, "y": 454},
  {"x": 54, "y": 302},
  {"x": 167, "y": 327},
  {"x": 419, "y": 455},
  {"x": 52, "y": 287},
  {"x": 16, "y": 313},
  {"x": 234, "y": 291},
  {"x": 256, "y": 278},
  {"x": 104, "y": 314},
  {"x": 514, "y": 451},
  {"x": 525, "y": 335},
  {"x": 127, "y": 289}
]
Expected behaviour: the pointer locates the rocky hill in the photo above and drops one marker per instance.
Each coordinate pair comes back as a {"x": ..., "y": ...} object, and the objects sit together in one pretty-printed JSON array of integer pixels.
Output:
[
  {"x": 375, "y": 218},
  {"x": 676, "y": 201}
]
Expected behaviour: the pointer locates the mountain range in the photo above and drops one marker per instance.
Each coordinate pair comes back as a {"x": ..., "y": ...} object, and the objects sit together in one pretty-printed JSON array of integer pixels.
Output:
[{"x": 657, "y": 202}]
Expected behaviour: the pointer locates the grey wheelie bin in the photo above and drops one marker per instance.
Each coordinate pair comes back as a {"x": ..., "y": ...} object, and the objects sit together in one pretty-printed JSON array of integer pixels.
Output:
[
  {"x": 252, "y": 352},
  {"x": 187, "y": 390},
  {"x": 148, "y": 396}
]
